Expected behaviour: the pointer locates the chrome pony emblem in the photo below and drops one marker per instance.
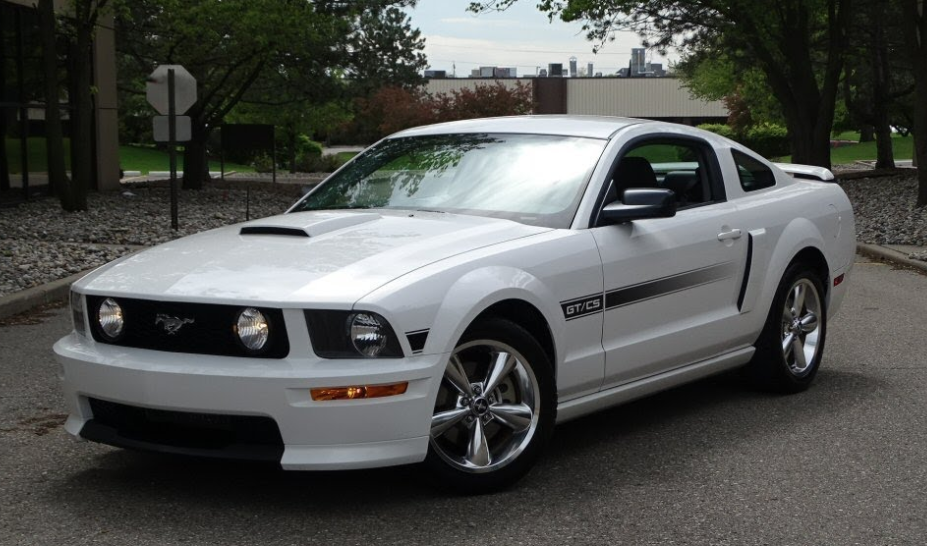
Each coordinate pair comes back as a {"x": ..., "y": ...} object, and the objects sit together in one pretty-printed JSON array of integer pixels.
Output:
[{"x": 171, "y": 324}]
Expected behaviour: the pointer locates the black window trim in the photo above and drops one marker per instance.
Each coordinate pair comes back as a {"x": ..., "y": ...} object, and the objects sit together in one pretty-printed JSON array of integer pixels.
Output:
[{"x": 707, "y": 151}]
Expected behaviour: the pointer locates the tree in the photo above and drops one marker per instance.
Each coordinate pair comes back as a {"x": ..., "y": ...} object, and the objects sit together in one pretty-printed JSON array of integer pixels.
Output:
[
  {"x": 54, "y": 134},
  {"x": 265, "y": 52},
  {"x": 393, "y": 109},
  {"x": 80, "y": 25},
  {"x": 798, "y": 44},
  {"x": 914, "y": 14},
  {"x": 386, "y": 51},
  {"x": 228, "y": 47},
  {"x": 873, "y": 81}
]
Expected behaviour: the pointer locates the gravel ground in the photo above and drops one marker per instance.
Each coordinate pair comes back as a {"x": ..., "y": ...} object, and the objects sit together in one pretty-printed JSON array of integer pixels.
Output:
[
  {"x": 39, "y": 243},
  {"x": 885, "y": 212}
]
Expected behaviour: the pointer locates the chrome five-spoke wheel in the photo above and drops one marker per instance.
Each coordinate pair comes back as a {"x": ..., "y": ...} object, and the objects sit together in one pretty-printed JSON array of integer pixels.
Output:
[
  {"x": 487, "y": 408},
  {"x": 495, "y": 407},
  {"x": 800, "y": 326}
]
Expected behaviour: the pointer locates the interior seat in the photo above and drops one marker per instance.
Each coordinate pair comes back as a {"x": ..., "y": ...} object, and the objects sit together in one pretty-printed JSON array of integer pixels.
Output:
[
  {"x": 682, "y": 183},
  {"x": 631, "y": 172}
]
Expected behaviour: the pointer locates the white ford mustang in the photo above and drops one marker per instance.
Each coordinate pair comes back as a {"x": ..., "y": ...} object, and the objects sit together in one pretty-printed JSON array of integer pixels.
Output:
[{"x": 456, "y": 290}]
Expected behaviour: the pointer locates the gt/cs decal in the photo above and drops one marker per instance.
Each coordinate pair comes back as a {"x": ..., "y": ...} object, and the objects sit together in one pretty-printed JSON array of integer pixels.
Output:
[{"x": 581, "y": 307}]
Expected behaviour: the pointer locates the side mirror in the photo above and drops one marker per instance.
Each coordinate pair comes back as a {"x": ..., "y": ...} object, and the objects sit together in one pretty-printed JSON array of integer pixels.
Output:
[{"x": 639, "y": 204}]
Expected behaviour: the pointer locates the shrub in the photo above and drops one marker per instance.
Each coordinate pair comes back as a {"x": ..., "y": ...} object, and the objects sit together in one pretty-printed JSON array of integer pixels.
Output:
[
  {"x": 393, "y": 109},
  {"x": 719, "y": 129},
  {"x": 263, "y": 163},
  {"x": 768, "y": 140},
  {"x": 309, "y": 163},
  {"x": 305, "y": 145}
]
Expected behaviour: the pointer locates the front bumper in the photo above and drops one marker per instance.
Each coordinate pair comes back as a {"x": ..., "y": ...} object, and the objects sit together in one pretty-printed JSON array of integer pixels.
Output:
[{"x": 315, "y": 435}]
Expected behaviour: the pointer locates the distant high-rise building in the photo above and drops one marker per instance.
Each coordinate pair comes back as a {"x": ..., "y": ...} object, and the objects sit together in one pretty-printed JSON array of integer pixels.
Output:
[
  {"x": 555, "y": 70},
  {"x": 436, "y": 74},
  {"x": 487, "y": 71},
  {"x": 505, "y": 72},
  {"x": 475, "y": 73},
  {"x": 657, "y": 71},
  {"x": 589, "y": 71},
  {"x": 573, "y": 68},
  {"x": 639, "y": 67}
]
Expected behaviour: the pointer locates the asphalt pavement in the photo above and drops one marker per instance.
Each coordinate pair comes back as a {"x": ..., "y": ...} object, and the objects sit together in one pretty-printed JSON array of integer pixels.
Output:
[{"x": 709, "y": 463}]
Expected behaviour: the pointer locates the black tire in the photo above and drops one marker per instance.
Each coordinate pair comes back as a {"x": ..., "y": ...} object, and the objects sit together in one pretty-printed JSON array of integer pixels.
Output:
[
  {"x": 774, "y": 369},
  {"x": 449, "y": 449}
]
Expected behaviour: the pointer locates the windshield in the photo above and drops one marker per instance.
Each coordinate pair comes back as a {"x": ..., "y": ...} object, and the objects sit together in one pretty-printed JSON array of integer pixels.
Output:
[{"x": 533, "y": 179}]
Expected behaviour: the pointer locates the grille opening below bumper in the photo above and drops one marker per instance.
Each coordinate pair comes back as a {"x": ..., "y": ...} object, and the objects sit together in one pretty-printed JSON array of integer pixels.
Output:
[{"x": 241, "y": 437}]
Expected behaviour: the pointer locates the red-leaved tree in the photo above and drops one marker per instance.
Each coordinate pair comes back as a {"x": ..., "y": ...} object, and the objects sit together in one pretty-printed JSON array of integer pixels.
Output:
[{"x": 393, "y": 109}]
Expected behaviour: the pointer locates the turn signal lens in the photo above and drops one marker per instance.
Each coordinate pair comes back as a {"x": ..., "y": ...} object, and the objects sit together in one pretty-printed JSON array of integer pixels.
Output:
[
  {"x": 358, "y": 392},
  {"x": 838, "y": 280}
]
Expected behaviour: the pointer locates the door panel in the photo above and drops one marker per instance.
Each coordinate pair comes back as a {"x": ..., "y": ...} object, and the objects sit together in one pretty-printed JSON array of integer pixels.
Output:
[{"x": 671, "y": 284}]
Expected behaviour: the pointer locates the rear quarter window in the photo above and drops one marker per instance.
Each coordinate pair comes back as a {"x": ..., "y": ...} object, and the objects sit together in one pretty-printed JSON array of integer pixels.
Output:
[{"x": 753, "y": 174}]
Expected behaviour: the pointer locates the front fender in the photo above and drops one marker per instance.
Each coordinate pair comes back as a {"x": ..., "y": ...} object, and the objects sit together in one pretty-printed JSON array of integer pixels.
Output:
[{"x": 478, "y": 290}]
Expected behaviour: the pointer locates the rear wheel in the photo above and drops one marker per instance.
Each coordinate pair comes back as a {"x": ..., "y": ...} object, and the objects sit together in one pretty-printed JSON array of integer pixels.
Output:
[
  {"x": 494, "y": 411},
  {"x": 790, "y": 348}
]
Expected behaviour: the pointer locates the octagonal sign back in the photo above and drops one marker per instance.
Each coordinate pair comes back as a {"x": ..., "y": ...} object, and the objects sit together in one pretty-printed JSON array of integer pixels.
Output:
[{"x": 184, "y": 89}]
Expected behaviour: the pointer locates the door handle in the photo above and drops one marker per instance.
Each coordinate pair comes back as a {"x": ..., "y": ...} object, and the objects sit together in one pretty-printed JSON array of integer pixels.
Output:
[{"x": 728, "y": 235}]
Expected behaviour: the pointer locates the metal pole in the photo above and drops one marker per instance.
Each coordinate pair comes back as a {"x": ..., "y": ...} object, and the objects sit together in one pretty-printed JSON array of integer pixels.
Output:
[{"x": 172, "y": 143}]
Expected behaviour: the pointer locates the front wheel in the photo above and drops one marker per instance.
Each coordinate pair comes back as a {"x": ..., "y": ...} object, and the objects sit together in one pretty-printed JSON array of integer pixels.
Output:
[
  {"x": 791, "y": 346},
  {"x": 494, "y": 411}
]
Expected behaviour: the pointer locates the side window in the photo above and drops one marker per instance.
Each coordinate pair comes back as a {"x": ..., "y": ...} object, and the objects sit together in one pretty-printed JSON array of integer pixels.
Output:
[
  {"x": 753, "y": 174},
  {"x": 675, "y": 165}
]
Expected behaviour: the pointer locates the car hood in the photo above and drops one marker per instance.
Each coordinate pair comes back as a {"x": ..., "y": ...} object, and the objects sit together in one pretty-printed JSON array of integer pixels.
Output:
[{"x": 324, "y": 258}]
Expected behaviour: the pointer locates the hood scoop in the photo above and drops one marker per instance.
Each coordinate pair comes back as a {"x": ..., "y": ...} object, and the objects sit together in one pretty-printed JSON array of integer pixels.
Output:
[
  {"x": 273, "y": 230},
  {"x": 303, "y": 225}
]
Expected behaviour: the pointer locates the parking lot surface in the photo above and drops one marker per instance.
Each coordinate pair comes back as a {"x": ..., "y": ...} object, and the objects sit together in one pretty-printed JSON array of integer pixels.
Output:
[{"x": 708, "y": 463}]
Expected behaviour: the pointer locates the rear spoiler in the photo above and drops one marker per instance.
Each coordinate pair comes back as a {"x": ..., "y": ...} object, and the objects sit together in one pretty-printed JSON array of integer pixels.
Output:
[{"x": 807, "y": 172}]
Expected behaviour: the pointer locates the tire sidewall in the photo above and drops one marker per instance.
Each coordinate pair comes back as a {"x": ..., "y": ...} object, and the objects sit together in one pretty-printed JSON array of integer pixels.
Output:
[{"x": 772, "y": 363}]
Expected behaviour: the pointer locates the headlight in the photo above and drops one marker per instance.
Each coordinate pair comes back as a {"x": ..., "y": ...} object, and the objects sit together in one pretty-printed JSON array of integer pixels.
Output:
[
  {"x": 77, "y": 313},
  {"x": 367, "y": 334},
  {"x": 348, "y": 334},
  {"x": 110, "y": 319},
  {"x": 253, "y": 329}
]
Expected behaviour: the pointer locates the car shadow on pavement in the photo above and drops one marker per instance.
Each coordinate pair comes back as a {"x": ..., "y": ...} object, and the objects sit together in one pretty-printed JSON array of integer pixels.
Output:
[{"x": 656, "y": 439}]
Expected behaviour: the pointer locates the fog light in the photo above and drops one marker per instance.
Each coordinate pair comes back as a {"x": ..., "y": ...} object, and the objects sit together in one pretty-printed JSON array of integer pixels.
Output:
[
  {"x": 253, "y": 329},
  {"x": 110, "y": 319},
  {"x": 358, "y": 392}
]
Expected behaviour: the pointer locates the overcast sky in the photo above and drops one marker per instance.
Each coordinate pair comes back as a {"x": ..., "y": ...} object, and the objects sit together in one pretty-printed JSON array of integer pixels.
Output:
[{"x": 521, "y": 37}]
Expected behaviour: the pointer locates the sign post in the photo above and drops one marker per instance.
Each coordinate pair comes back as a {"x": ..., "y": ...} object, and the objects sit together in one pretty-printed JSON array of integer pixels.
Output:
[
  {"x": 171, "y": 90},
  {"x": 172, "y": 143}
]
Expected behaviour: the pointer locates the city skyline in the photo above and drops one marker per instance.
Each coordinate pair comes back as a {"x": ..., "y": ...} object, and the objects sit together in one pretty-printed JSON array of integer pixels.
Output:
[{"x": 520, "y": 37}]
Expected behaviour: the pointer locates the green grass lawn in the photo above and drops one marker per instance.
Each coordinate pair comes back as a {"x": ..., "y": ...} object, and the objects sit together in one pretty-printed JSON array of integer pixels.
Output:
[
  {"x": 131, "y": 158},
  {"x": 903, "y": 147},
  {"x": 345, "y": 156},
  {"x": 139, "y": 158},
  {"x": 35, "y": 154}
]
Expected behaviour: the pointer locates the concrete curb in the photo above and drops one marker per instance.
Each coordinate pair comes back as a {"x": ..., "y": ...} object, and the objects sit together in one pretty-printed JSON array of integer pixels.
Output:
[
  {"x": 24, "y": 300},
  {"x": 879, "y": 252}
]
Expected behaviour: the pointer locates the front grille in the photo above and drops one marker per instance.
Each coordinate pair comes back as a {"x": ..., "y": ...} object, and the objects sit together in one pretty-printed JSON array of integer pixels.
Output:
[
  {"x": 233, "y": 436},
  {"x": 208, "y": 329}
]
